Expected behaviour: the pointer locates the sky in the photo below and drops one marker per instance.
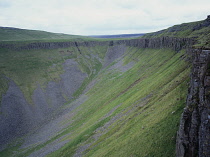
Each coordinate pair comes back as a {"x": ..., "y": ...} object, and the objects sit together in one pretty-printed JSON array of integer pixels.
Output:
[{"x": 100, "y": 17}]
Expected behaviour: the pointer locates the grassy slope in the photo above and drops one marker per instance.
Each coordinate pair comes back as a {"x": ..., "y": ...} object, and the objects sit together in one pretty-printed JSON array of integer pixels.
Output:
[
  {"x": 148, "y": 113},
  {"x": 135, "y": 113}
]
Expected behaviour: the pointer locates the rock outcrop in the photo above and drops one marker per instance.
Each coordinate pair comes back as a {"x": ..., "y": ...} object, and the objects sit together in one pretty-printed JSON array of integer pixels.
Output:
[{"x": 193, "y": 138}]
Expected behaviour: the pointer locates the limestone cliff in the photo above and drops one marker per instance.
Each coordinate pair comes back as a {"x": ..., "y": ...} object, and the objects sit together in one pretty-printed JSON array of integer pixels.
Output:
[
  {"x": 161, "y": 42},
  {"x": 193, "y": 137}
]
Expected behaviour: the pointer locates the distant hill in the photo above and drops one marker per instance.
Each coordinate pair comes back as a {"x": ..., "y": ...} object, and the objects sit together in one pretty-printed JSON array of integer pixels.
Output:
[
  {"x": 16, "y": 34},
  {"x": 118, "y": 36}
]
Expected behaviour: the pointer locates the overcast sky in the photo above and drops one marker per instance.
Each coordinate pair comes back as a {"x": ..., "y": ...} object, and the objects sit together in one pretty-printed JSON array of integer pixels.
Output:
[{"x": 94, "y": 17}]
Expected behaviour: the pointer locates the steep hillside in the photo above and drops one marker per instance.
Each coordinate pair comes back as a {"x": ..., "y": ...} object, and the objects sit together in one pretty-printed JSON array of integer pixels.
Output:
[
  {"x": 104, "y": 98},
  {"x": 92, "y": 99}
]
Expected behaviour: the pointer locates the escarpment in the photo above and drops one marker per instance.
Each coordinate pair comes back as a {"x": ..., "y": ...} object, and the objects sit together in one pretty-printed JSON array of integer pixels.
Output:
[
  {"x": 158, "y": 42},
  {"x": 194, "y": 133}
]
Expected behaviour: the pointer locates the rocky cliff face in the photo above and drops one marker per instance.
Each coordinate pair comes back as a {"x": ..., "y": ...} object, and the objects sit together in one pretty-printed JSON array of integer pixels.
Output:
[
  {"x": 193, "y": 137},
  {"x": 162, "y": 42}
]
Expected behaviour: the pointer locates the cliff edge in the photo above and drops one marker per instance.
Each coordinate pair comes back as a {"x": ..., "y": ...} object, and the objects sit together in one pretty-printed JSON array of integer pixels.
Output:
[{"x": 193, "y": 138}]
